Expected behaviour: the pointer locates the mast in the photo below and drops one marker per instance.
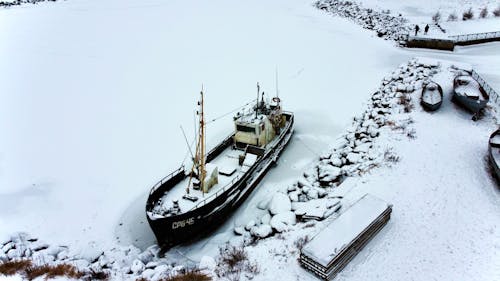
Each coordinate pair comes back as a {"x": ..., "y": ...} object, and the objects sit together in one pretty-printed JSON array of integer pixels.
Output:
[{"x": 201, "y": 142}]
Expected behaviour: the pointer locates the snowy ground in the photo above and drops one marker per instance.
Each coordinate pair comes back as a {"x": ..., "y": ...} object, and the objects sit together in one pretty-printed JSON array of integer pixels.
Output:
[
  {"x": 94, "y": 93},
  {"x": 421, "y": 12}
]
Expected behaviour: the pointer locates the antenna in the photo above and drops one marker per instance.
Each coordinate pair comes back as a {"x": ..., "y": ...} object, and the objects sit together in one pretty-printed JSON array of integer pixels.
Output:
[
  {"x": 277, "y": 91},
  {"x": 257, "y": 100}
]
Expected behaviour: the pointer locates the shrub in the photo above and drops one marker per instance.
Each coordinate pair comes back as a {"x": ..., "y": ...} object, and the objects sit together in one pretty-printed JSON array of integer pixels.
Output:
[
  {"x": 13, "y": 267},
  {"x": 452, "y": 17},
  {"x": 299, "y": 243},
  {"x": 483, "y": 13},
  {"x": 98, "y": 275},
  {"x": 390, "y": 156},
  {"x": 405, "y": 101},
  {"x": 467, "y": 15},
  {"x": 496, "y": 12},
  {"x": 233, "y": 261},
  {"x": 436, "y": 18},
  {"x": 189, "y": 275},
  {"x": 232, "y": 256},
  {"x": 411, "y": 134}
]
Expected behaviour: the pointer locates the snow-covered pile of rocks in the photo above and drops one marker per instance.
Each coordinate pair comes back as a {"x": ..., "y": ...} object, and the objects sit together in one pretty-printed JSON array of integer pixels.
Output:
[
  {"x": 125, "y": 263},
  {"x": 387, "y": 26},
  {"x": 7, "y": 4},
  {"x": 313, "y": 196}
]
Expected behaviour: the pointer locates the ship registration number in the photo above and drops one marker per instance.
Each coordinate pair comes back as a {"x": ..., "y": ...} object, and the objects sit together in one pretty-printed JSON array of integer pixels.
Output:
[{"x": 182, "y": 223}]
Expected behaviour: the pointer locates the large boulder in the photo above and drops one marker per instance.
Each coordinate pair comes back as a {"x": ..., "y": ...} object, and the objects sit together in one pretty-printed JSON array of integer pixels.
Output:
[{"x": 283, "y": 221}]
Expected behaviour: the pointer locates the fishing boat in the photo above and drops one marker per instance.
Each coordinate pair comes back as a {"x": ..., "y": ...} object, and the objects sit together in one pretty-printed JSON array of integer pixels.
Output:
[
  {"x": 494, "y": 153},
  {"x": 189, "y": 202},
  {"x": 469, "y": 94},
  {"x": 432, "y": 96}
]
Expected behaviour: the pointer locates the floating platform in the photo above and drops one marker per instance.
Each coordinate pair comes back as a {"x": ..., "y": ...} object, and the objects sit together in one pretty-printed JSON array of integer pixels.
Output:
[{"x": 332, "y": 249}]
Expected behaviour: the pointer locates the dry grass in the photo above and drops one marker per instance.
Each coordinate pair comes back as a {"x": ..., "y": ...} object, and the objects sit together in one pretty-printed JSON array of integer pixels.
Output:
[
  {"x": 300, "y": 242},
  {"x": 390, "y": 156},
  {"x": 52, "y": 271},
  {"x": 13, "y": 267},
  {"x": 233, "y": 261},
  {"x": 232, "y": 256},
  {"x": 191, "y": 275},
  {"x": 29, "y": 271}
]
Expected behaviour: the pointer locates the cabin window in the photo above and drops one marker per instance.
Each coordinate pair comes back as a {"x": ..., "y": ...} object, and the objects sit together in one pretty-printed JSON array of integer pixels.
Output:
[{"x": 241, "y": 128}]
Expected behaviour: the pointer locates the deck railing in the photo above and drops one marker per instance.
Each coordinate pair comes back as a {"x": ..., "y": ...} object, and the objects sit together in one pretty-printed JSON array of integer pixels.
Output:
[
  {"x": 487, "y": 88},
  {"x": 165, "y": 179},
  {"x": 220, "y": 191},
  {"x": 475, "y": 36}
]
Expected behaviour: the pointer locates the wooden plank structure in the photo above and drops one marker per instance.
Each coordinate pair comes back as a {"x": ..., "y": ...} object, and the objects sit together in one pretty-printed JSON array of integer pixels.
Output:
[{"x": 332, "y": 249}]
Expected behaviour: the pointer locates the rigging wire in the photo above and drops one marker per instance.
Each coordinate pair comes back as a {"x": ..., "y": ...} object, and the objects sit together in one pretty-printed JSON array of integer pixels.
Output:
[{"x": 230, "y": 112}]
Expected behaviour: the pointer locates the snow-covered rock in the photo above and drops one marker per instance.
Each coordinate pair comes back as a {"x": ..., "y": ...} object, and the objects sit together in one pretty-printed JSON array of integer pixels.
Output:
[
  {"x": 353, "y": 158},
  {"x": 137, "y": 266},
  {"x": 282, "y": 221},
  {"x": 261, "y": 231},
  {"x": 250, "y": 224},
  {"x": 207, "y": 263},
  {"x": 263, "y": 204},
  {"x": 239, "y": 230},
  {"x": 279, "y": 203},
  {"x": 294, "y": 196},
  {"x": 265, "y": 219},
  {"x": 148, "y": 274},
  {"x": 146, "y": 256}
]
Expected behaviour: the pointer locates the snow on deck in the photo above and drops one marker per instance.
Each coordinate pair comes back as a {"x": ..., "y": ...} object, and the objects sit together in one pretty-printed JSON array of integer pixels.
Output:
[
  {"x": 227, "y": 160},
  {"x": 470, "y": 89},
  {"x": 340, "y": 233},
  {"x": 431, "y": 95}
]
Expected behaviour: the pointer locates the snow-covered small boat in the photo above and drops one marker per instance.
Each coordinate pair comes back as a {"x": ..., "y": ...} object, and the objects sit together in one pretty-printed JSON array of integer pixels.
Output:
[
  {"x": 189, "y": 202},
  {"x": 432, "y": 96},
  {"x": 469, "y": 94},
  {"x": 494, "y": 153}
]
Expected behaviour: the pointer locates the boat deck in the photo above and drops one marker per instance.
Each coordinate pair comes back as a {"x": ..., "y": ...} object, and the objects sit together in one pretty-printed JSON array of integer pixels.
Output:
[
  {"x": 225, "y": 162},
  {"x": 432, "y": 97},
  {"x": 471, "y": 90}
]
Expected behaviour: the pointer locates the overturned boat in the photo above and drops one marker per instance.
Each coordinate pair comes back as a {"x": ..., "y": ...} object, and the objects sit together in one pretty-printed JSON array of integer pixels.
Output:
[
  {"x": 189, "y": 202},
  {"x": 432, "y": 96},
  {"x": 469, "y": 94},
  {"x": 494, "y": 153}
]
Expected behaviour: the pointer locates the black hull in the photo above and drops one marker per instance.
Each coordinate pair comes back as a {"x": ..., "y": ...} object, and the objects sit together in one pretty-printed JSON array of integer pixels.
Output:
[
  {"x": 494, "y": 157},
  {"x": 471, "y": 105},
  {"x": 173, "y": 230}
]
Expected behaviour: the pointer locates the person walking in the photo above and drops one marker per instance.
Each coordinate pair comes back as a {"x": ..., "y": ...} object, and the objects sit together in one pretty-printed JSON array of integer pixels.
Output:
[
  {"x": 416, "y": 29},
  {"x": 426, "y": 29}
]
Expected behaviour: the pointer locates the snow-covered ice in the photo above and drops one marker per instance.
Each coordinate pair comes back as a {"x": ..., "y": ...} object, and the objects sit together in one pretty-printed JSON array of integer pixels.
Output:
[{"x": 93, "y": 94}]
